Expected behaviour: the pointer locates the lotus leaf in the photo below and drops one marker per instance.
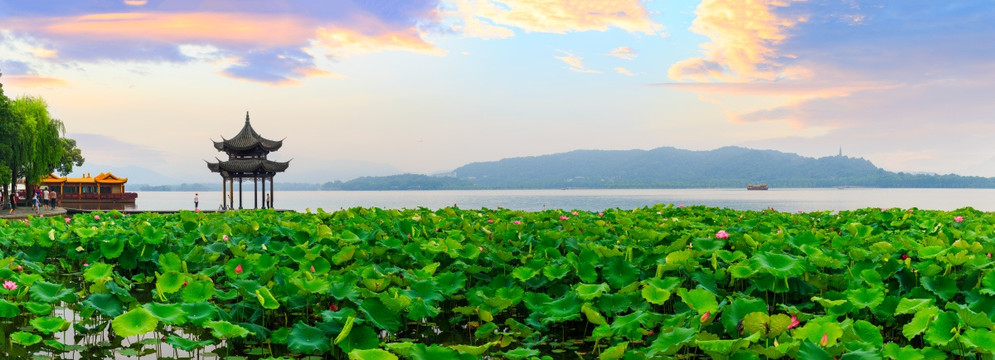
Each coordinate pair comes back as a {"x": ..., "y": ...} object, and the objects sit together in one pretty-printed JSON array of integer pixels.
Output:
[
  {"x": 47, "y": 325},
  {"x": 44, "y": 291},
  {"x": 815, "y": 329},
  {"x": 169, "y": 314},
  {"x": 98, "y": 271},
  {"x": 135, "y": 322},
  {"x": 868, "y": 333},
  {"x": 39, "y": 308},
  {"x": 943, "y": 288},
  {"x": 980, "y": 340},
  {"x": 941, "y": 330},
  {"x": 8, "y": 309},
  {"x": 226, "y": 330},
  {"x": 169, "y": 282},
  {"x": 361, "y": 337},
  {"x": 809, "y": 350},
  {"x": 266, "y": 299},
  {"x": 592, "y": 315},
  {"x": 909, "y": 306},
  {"x": 307, "y": 339},
  {"x": 185, "y": 344},
  {"x": 920, "y": 321},
  {"x": 380, "y": 315},
  {"x": 619, "y": 273},
  {"x": 170, "y": 262},
  {"x": 25, "y": 338},
  {"x": 865, "y": 297},
  {"x": 614, "y": 352},
  {"x": 588, "y": 292},
  {"x": 892, "y": 351},
  {"x": 198, "y": 290},
  {"x": 371, "y": 354},
  {"x": 670, "y": 341},
  {"x": 200, "y": 312},
  {"x": 519, "y": 354},
  {"x": 654, "y": 294},
  {"x": 779, "y": 265},
  {"x": 700, "y": 300}
]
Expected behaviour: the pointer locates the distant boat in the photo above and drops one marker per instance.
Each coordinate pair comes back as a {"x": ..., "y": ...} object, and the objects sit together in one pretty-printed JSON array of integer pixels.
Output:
[{"x": 756, "y": 187}]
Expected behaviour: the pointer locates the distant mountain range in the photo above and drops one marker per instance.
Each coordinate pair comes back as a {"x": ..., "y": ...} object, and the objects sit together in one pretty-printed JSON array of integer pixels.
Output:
[{"x": 665, "y": 167}]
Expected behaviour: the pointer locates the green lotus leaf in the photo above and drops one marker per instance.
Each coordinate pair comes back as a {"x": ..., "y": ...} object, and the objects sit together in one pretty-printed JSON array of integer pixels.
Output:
[
  {"x": 969, "y": 317},
  {"x": 592, "y": 315},
  {"x": 48, "y": 324},
  {"x": 941, "y": 330},
  {"x": 909, "y": 306},
  {"x": 200, "y": 312},
  {"x": 556, "y": 272},
  {"x": 671, "y": 341},
  {"x": 226, "y": 330},
  {"x": 98, "y": 271},
  {"x": 815, "y": 329},
  {"x": 980, "y": 339},
  {"x": 307, "y": 339},
  {"x": 630, "y": 326},
  {"x": 169, "y": 314},
  {"x": 614, "y": 352},
  {"x": 344, "y": 255},
  {"x": 619, "y": 273},
  {"x": 170, "y": 262},
  {"x": 169, "y": 282},
  {"x": 707, "y": 245},
  {"x": 266, "y": 299},
  {"x": 988, "y": 283},
  {"x": 112, "y": 247},
  {"x": 484, "y": 331},
  {"x": 756, "y": 322},
  {"x": 892, "y": 351},
  {"x": 700, "y": 300},
  {"x": 8, "y": 309},
  {"x": 185, "y": 344},
  {"x": 944, "y": 288},
  {"x": 654, "y": 294},
  {"x": 524, "y": 273},
  {"x": 810, "y": 351},
  {"x": 318, "y": 285},
  {"x": 361, "y": 337},
  {"x": 473, "y": 350},
  {"x": 57, "y": 345},
  {"x": 779, "y": 265},
  {"x": 135, "y": 322},
  {"x": 565, "y": 308},
  {"x": 25, "y": 338},
  {"x": 86, "y": 233},
  {"x": 39, "y": 308},
  {"x": 865, "y": 297},
  {"x": 107, "y": 304},
  {"x": 378, "y": 314},
  {"x": 516, "y": 354},
  {"x": 198, "y": 290},
  {"x": 372, "y": 354},
  {"x": 742, "y": 270},
  {"x": 732, "y": 315},
  {"x": 920, "y": 321},
  {"x": 44, "y": 291},
  {"x": 588, "y": 292},
  {"x": 868, "y": 333}
]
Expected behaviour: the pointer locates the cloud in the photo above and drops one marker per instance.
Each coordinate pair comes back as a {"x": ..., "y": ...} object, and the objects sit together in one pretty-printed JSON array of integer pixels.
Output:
[
  {"x": 623, "y": 52},
  {"x": 108, "y": 150},
  {"x": 744, "y": 36},
  {"x": 624, "y": 71},
  {"x": 486, "y": 18},
  {"x": 575, "y": 63},
  {"x": 270, "y": 42}
]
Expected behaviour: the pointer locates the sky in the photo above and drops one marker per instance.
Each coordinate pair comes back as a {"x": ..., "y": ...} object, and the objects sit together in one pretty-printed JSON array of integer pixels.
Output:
[{"x": 381, "y": 87}]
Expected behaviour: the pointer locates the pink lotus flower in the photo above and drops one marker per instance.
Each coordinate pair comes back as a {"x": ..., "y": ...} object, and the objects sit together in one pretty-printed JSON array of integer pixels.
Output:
[
  {"x": 9, "y": 285},
  {"x": 96, "y": 217},
  {"x": 481, "y": 248},
  {"x": 564, "y": 217},
  {"x": 794, "y": 322},
  {"x": 516, "y": 222},
  {"x": 86, "y": 264},
  {"x": 238, "y": 269},
  {"x": 704, "y": 318},
  {"x": 224, "y": 237},
  {"x": 958, "y": 218},
  {"x": 333, "y": 307},
  {"x": 312, "y": 268},
  {"x": 989, "y": 256},
  {"x": 722, "y": 234},
  {"x": 574, "y": 213},
  {"x": 20, "y": 268},
  {"x": 490, "y": 221},
  {"x": 800, "y": 212},
  {"x": 681, "y": 206},
  {"x": 825, "y": 340},
  {"x": 184, "y": 283},
  {"x": 778, "y": 231},
  {"x": 68, "y": 219},
  {"x": 601, "y": 214}
]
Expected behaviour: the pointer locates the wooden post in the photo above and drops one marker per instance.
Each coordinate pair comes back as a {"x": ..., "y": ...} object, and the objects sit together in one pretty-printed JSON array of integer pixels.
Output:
[
  {"x": 255, "y": 192},
  {"x": 240, "y": 193},
  {"x": 271, "y": 193},
  {"x": 224, "y": 190}
]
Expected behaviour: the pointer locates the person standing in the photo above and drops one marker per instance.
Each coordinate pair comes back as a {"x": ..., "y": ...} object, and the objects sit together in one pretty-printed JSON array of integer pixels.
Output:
[
  {"x": 52, "y": 197},
  {"x": 13, "y": 202},
  {"x": 44, "y": 198},
  {"x": 196, "y": 201}
]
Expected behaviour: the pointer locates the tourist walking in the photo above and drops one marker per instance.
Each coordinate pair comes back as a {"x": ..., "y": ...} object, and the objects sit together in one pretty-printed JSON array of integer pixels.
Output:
[
  {"x": 44, "y": 198},
  {"x": 35, "y": 204},
  {"x": 13, "y": 202},
  {"x": 52, "y": 197},
  {"x": 196, "y": 201}
]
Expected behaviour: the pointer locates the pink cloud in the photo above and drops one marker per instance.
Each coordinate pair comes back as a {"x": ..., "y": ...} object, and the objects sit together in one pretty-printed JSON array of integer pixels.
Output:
[
  {"x": 32, "y": 81},
  {"x": 555, "y": 16}
]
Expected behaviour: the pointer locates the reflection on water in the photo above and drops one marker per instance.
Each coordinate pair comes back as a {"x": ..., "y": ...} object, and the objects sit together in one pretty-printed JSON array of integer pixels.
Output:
[{"x": 99, "y": 206}]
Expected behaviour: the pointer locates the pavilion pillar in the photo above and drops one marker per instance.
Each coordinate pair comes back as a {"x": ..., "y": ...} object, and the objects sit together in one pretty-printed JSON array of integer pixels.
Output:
[
  {"x": 224, "y": 189},
  {"x": 263, "y": 179},
  {"x": 231, "y": 193},
  {"x": 255, "y": 192},
  {"x": 240, "y": 193},
  {"x": 271, "y": 192}
]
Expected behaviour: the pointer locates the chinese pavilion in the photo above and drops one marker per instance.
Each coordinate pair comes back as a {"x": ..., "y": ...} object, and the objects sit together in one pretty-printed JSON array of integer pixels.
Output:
[
  {"x": 247, "y": 160},
  {"x": 104, "y": 187}
]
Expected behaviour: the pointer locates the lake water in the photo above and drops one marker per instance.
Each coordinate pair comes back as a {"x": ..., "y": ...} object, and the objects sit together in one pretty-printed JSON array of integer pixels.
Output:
[{"x": 595, "y": 199}]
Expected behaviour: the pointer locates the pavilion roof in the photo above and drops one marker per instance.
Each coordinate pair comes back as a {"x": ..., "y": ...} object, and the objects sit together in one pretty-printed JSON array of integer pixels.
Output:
[
  {"x": 248, "y": 166},
  {"x": 102, "y": 178},
  {"x": 246, "y": 140}
]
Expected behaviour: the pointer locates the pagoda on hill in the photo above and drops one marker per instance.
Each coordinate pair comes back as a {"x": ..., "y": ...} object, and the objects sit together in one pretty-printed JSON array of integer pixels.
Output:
[{"x": 247, "y": 160}]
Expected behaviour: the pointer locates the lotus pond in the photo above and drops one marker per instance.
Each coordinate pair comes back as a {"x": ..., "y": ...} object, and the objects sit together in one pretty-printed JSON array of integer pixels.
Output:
[{"x": 369, "y": 283}]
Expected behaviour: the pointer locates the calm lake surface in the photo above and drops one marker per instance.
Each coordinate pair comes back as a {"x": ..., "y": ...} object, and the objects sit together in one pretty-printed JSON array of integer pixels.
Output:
[{"x": 595, "y": 199}]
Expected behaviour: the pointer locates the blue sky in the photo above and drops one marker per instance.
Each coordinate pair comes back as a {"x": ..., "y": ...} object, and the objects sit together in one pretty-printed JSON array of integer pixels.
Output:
[{"x": 379, "y": 87}]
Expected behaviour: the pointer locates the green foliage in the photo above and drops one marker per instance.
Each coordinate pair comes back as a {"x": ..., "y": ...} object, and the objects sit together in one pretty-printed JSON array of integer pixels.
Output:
[{"x": 375, "y": 283}]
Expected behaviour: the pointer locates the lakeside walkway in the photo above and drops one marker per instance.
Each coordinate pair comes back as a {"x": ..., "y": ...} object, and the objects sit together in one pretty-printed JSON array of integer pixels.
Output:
[{"x": 22, "y": 212}]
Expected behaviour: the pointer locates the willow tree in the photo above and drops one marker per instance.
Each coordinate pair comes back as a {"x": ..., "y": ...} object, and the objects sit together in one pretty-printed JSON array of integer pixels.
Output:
[{"x": 9, "y": 128}]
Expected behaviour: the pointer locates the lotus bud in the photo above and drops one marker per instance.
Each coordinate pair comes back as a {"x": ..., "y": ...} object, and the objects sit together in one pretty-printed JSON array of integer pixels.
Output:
[
  {"x": 704, "y": 318},
  {"x": 825, "y": 340},
  {"x": 238, "y": 269},
  {"x": 794, "y": 322}
]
